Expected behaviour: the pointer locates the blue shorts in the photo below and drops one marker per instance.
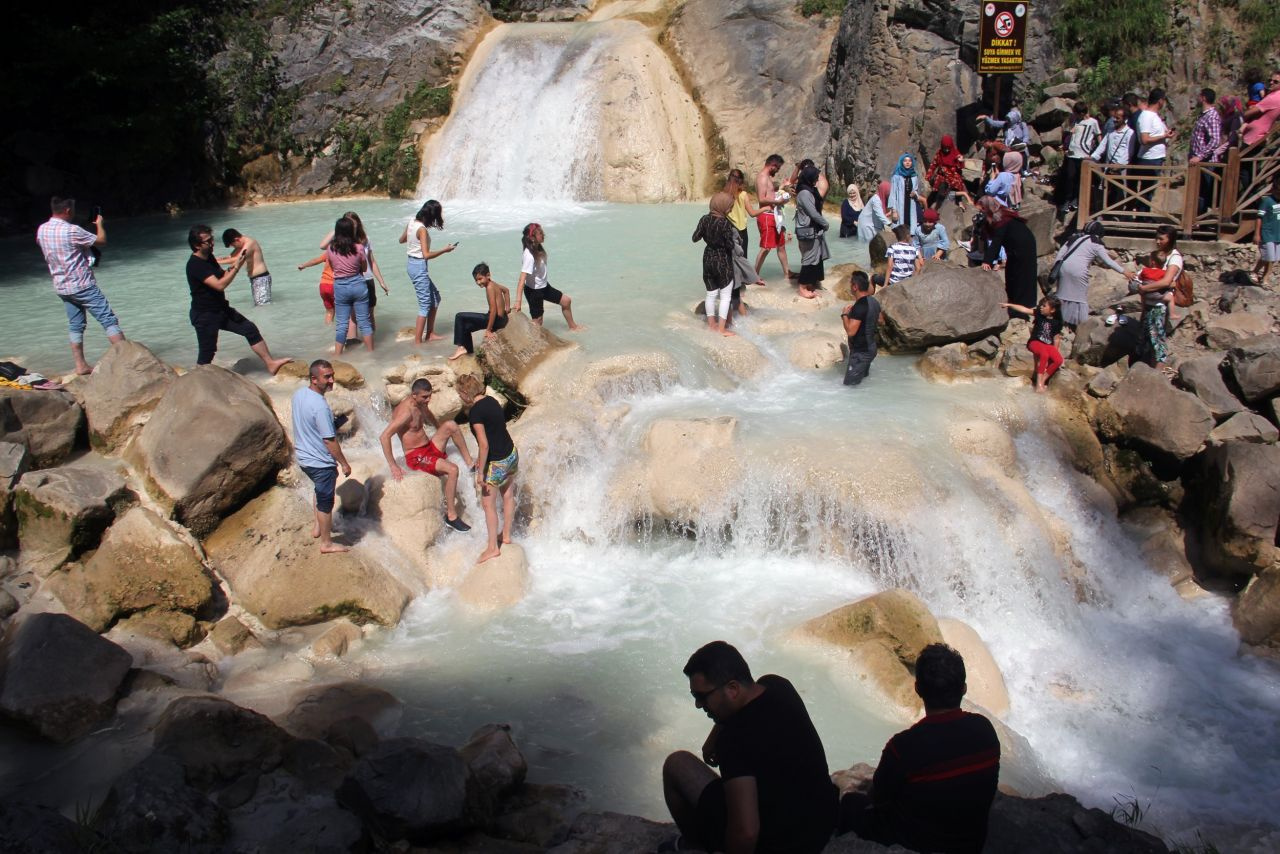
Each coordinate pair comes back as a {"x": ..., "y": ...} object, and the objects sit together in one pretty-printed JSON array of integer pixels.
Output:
[
  {"x": 326, "y": 481},
  {"x": 426, "y": 290}
]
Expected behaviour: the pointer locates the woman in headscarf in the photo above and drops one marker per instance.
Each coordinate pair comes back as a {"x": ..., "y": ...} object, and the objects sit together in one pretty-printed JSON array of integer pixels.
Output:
[
  {"x": 946, "y": 175},
  {"x": 850, "y": 210},
  {"x": 1007, "y": 186},
  {"x": 811, "y": 227},
  {"x": 1008, "y": 231},
  {"x": 715, "y": 230},
  {"x": 904, "y": 194},
  {"x": 1016, "y": 135},
  {"x": 875, "y": 218}
]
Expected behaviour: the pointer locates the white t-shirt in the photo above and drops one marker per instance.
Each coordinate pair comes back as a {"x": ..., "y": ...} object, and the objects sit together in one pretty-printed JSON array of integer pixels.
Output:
[
  {"x": 1152, "y": 125},
  {"x": 535, "y": 270},
  {"x": 413, "y": 245}
]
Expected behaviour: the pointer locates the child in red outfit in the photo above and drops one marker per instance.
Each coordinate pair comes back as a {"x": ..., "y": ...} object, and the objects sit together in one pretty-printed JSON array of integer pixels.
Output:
[{"x": 1046, "y": 335}]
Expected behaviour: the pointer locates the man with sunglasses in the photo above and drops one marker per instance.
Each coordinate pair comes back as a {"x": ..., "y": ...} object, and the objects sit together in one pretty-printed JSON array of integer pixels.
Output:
[
  {"x": 1260, "y": 117},
  {"x": 773, "y": 794}
]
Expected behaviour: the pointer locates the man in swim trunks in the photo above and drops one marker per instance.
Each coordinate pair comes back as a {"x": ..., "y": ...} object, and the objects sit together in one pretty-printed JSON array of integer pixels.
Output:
[
  {"x": 771, "y": 237},
  {"x": 259, "y": 278},
  {"x": 408, "y": 422}
]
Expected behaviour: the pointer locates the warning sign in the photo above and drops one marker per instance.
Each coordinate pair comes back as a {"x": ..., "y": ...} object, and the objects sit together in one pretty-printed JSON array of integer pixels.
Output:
[{"x": 1002, "y": 36}]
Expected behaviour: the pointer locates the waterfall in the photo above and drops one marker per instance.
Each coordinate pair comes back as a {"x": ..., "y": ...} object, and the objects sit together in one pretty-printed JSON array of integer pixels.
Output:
[{"x": 568, "y": 112}]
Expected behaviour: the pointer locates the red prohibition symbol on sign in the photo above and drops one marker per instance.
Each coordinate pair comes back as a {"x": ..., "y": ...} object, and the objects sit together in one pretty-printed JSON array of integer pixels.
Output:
[{"x": 1004, "y": 24}]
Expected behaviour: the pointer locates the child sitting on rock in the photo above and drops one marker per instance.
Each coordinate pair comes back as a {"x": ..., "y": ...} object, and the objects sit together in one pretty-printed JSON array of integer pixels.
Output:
[{"x": 903, "y": 257}]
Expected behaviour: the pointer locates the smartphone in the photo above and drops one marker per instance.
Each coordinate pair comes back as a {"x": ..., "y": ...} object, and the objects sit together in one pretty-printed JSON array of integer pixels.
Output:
[{"x": 97, "y": 211}]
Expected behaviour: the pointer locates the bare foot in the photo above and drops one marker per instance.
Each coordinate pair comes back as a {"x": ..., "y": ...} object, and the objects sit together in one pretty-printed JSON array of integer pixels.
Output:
[
  {"x": 808, "y": 294},
  {"x": 333, "y": 549},
  {"x": 729, "y": 333},
  {"x": 488, "y": 554},
  {"x": 761, "y": 282},
  {"x": 84, "y": 370},
  {"x": 577, "y": 327},
  {"x": 506, "y": 541},
  {"x": 434, "y": 337},
  {"x": 458, "y": 354},
  {"x": 275, "y": 365}
]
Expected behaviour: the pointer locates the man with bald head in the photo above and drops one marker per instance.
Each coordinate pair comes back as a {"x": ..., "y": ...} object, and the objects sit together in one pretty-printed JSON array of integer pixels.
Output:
[{"x": 315, "y": 441}]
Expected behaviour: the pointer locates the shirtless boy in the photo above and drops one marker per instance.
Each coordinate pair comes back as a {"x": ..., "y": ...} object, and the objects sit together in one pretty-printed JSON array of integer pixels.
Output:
[
  {"x": 408, "y": 422},
  {"x": 770, "y": 236},
  {"x": 259, "y": 278}
]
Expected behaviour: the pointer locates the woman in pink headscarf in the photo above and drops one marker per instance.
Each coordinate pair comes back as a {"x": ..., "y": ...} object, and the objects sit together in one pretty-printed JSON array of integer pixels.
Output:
[
  {"x": 876, "y": 216},
  {"x": 1007, "y": 186}
]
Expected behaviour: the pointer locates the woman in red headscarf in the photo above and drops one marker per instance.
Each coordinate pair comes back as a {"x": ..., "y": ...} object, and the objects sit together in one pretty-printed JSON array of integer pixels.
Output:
[{"x": 946, "y": 175}]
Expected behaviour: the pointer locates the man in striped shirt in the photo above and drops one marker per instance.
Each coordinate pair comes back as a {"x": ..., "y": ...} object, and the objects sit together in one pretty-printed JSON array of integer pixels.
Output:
[
  {"x": 933, "y": 788},
  {"x": 66, "y": 251}
]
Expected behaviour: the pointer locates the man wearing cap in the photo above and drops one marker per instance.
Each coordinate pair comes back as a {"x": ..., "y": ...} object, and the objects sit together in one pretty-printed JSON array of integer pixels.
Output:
[{"x": 931, "y": 237}]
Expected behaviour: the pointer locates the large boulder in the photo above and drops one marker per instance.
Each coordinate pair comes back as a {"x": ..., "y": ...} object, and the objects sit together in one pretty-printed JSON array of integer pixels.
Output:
[
  {"x": 939, "y": 306},
  {"x": 316, "y": 709},
  {"x": 406, "y": 788},
  {"x": 1245, "y": 427},
  {"x": 495, "y": 761},
  {"x": 212, "y": 441},
  {"x": 687, "y": 468},
  {"x": 1098, "y": 344},
  {"x": 1202, "y": 376},
  {"x": 266, "y": 553},
  {"x": 1237, "y": 493},
  {"x": 46, "y": 423},
  {"x": 1058, "y": 824},
  {"x": 123, "y": 389},
  {"x": 1042, "y": 220},
  {"x": 63, "y": 512},
  {"x": 152, "y": 808},
  {"x": 141, "y": 564},
  {"x": 1257, "y": 610},
  {"x": 883, "y": 635},
  {"x": 411, "y": 510},
  {"x": 520, "y": 347},
  {"x": 1158, "y": 416},
  {"x": 1255, "y": 365},
  {"x": 344, "y": 373},
  {"x": 817, "y": 351},
  {"x": 60, "y": 677},
  {"x": 14, "y": 462},
  {"x": 498, "y": 583},
  {"x": 216, "y": 742},
  {"x": 1228, "y": 330}
]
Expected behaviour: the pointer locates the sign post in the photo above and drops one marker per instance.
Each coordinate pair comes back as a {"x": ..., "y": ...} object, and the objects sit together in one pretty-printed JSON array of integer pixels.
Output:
[{"x": 1002, "y": 39}]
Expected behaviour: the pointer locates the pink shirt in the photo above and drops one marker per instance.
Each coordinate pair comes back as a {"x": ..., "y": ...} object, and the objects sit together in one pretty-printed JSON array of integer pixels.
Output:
[
  {"x": 1261, "y": 126},
  {"x": 345, "y": 266},
  {"x": 66, "y": 251}
]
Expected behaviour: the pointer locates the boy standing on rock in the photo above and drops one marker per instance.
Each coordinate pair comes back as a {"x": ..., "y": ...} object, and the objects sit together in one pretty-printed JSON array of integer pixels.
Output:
[
  {"x": 408, "y": 423},
  {"x": 315, "y": 440}
]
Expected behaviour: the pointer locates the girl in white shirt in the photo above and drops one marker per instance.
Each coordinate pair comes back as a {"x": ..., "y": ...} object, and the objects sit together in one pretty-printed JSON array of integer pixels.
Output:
[{"x": 533, "y": 284}]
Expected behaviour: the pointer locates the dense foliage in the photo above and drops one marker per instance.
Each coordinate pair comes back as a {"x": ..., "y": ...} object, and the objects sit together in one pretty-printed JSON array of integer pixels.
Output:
[{"x": 1124, "y": 44}]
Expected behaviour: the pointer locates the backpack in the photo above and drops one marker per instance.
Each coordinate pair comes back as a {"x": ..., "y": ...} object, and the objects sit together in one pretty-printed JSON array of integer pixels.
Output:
[
  {"x": 1184, "y": 292},
  {"x": 1135, "y": 141}
]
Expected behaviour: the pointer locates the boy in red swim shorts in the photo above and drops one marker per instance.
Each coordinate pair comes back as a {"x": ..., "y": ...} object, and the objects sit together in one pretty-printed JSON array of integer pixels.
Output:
[{"x": 408, "y": 422}]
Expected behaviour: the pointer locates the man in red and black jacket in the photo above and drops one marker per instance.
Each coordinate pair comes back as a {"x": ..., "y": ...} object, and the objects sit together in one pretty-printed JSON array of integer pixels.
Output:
[{"x": 933, "y": 788}]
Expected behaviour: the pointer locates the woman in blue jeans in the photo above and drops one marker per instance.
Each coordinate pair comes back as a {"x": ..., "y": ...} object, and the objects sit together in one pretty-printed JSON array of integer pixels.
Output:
[
  {"x": 350, "y": 294},
  {"x": 431, "y": 215}
]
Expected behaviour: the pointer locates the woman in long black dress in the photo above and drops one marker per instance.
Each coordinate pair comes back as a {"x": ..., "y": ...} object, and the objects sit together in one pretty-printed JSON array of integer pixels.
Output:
[{"x": 1007, "y": 230}]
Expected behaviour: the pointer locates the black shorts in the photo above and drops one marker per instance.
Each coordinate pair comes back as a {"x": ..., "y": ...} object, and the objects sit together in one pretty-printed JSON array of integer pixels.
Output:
[
  {"x": 713, "y": 815},
  {"x": 537, "y": 296}
]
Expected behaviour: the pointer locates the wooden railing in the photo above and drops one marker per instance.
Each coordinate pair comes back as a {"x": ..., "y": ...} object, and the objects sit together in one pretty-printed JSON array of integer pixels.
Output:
[{"x": 1205, "y": 201}]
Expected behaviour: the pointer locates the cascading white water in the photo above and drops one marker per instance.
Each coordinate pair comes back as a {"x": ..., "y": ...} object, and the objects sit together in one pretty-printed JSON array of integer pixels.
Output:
[{"x": 568, "y": 112}]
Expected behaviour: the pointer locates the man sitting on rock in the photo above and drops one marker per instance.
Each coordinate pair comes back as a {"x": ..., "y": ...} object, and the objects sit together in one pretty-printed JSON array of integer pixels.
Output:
[
  {"x": 935, "y": 782},
  {"x": 408, "y": 421},
  {"x": 774, "y": 794}
]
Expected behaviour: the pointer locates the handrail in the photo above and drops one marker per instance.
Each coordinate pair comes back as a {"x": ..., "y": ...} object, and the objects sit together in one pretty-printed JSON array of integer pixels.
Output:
[{"x": 1219, "y": 200}]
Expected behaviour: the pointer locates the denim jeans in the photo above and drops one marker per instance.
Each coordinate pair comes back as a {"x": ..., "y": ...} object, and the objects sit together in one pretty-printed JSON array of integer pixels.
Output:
[
  {"x": 426, "y": 290},
  {"x": 93, "y": 301},
  {"x": 350, "y": 294}
]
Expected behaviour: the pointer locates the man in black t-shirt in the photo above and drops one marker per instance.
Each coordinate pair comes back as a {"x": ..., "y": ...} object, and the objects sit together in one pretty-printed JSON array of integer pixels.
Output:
[
  {"x": 210, "y": 311},
  {"x": 773, "y": 795},
  {"x": 860, "y": 319},
  {"x": 933, "y": 788}
]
